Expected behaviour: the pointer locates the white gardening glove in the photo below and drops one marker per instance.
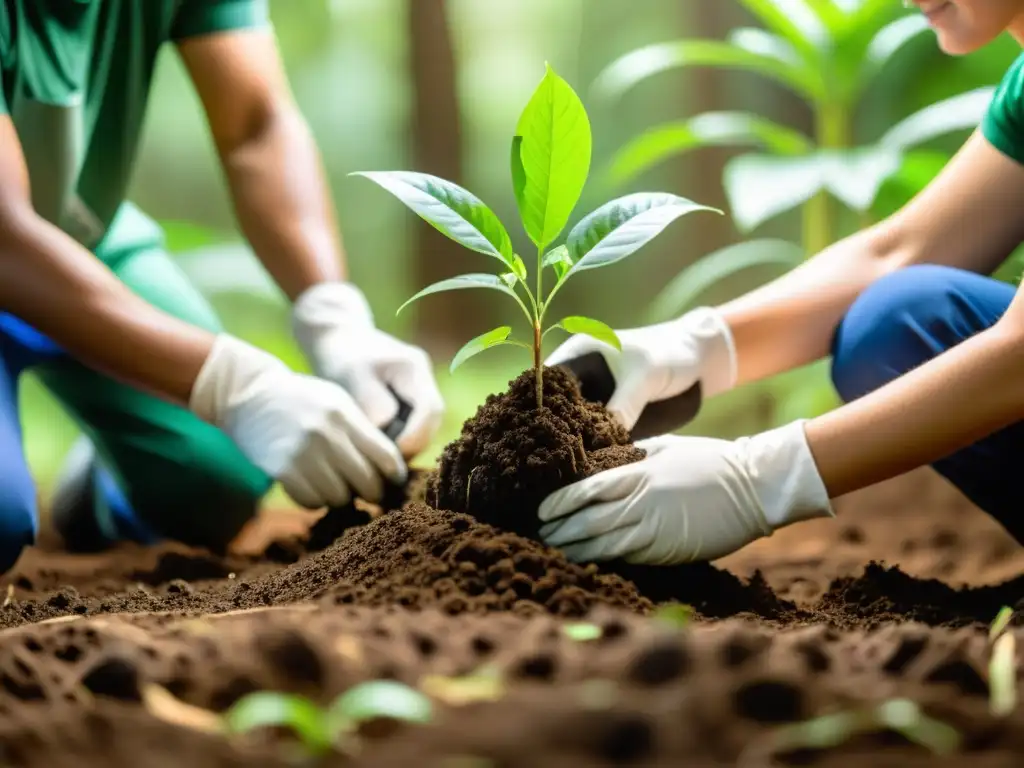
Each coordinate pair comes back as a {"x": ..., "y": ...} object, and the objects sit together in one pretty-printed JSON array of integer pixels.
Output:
[
  {"x": 334, "y": 327},
  {"x": 305, "y": 432},
  {"x": 690, "y": 499},
  {"x": 661, "y": 361}
]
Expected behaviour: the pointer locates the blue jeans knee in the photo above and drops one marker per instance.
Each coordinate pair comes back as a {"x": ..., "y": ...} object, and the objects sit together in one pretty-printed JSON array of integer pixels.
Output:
[{"x": 906, "y": 319}]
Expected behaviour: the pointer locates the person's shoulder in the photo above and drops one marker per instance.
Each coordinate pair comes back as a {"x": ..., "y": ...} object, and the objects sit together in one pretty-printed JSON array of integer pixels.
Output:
[{"x": 1003, "y": 124}]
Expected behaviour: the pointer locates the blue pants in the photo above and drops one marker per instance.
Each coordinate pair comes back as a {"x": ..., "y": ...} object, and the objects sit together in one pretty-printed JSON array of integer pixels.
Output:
[{"x": 907, "y": 319}]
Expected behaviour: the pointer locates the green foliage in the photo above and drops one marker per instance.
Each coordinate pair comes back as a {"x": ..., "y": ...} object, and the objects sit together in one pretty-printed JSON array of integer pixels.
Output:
[
  {"x": 829, "y": 54},
  {"x": 550, "y": 162},
  {"x": 320, "y": 730}
]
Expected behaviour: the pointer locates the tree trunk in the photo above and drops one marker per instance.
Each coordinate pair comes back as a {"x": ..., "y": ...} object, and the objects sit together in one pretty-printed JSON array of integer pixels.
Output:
[{"x": 437, "y": 149}]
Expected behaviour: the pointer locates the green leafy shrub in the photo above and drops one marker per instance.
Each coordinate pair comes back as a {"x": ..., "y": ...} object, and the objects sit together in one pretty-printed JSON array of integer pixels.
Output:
[
  {"x": 829, "y": 54},
  {"x": 550, "y": 159}
]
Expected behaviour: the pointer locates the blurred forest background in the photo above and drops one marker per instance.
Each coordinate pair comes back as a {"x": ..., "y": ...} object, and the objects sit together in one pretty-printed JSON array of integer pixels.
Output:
[{"x": 437, "y": 86}]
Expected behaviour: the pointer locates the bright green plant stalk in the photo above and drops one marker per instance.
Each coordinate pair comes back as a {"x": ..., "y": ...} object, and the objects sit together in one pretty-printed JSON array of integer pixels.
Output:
[
  {"x": 828, "y": 53},
  {"x": 550, "y": 162}
]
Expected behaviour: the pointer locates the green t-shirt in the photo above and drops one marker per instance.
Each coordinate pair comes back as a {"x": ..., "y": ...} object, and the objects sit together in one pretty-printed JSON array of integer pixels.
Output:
[
  {"x": 76, "y": 76},
  {"x": 1003, "y": 124}
]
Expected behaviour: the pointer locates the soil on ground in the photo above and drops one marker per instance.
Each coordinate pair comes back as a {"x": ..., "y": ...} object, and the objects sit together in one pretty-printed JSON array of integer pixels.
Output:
[{"x": 128, "y": 658}]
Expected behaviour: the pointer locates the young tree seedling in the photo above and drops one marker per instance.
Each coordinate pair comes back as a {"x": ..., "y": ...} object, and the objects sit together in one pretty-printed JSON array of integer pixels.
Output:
[
  {"x": 320, "y": 730},
  {"x": 551, "y": 153}
]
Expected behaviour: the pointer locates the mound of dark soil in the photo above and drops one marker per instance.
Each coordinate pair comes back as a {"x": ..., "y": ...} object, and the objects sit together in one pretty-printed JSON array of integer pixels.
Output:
[
  {"x": 421, "y": 556},
  {"x": 511, "y": 456}
]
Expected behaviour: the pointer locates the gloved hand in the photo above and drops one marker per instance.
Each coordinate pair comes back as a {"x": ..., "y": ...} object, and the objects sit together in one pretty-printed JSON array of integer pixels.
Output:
[
  {"x": 334, "y": 327},
  {"x": 690, "y": 499},
  {"x": 660, "y": 361},
  {"x": 305, "y": 432}
]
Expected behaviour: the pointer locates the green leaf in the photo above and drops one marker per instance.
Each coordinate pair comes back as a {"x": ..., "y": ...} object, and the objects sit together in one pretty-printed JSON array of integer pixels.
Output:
[
  {"x": 684, "y": 289},
  {"x": 559, "y": 259},
  {"x": 582, "y": 632},
  {"x": 452, "y": 210},
  {"x": 890, "y": 39},
  {"x": 182, "y": 236},
  {"x": 629, "y": 70},
  {"x": 474, "y": 280},
  {"x": 518, "y": 266},
  {"x": 763, "y": 43},
  {"x": 623, "y": 226},
  {"x": 760, "y": 187},
  {"x": 705, "y": 130},
  {"x": 380, "y": 699},
  {"x": 961, "y": 112},
  {"x": 482, "y": 342},
  {"x": 795, "y": 21},
  {"x": 1000, "y": 622},
  {"x": 551, "y": 165},
  {"x": 590, "y": 327},
  {"x": 906, "y": 718},
  {"x": 509, "y": 279},
  {"x": 266, "y": 708}
]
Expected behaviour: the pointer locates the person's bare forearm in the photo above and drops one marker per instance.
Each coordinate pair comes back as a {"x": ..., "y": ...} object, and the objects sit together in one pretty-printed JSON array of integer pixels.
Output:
[
  {"x": 790, "y": 321},
  {"x": 960, "y": 397},
  {"x": 283, "y": 204},
  {"x": 51, "y": 282}
]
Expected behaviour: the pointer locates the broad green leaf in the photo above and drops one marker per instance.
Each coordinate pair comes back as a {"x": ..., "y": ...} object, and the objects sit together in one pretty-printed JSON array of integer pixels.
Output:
[
  {"x": 890, "y": 39},
  {"x": 760, "y": 187},
  {"x": 627, "y": 71},
  {"x": 687, "y": 286},
  {"x": 509, "y": 279},
  {"x": 762, "y": 43},
  {"x": 961, "y": 112},
  {"x": 553, "y": 159},
  {"x": 708, "y": 129},
  {"x": 483, "y": 342},
  {"x": 795, "y": 21},
  {"x": 182, "y": 236},
  {"x": 475, "y": 280},
  {"x": 380, "y": 699},
  {"x": 452, "y": 210},
  {"x": 266, "y": 708},
  {"x": 559, "y": 259},
  {"x": 623, "y": 226},
  {"x": 590, "y": 327}
]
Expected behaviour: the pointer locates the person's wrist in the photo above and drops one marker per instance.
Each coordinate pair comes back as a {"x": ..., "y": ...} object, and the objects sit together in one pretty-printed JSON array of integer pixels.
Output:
[
  {"x": 322, "y": 310},
  {"x": 707, "y": 329},
  {"x": 233, "y": 371},
  {"x": 784, "y": 475}
]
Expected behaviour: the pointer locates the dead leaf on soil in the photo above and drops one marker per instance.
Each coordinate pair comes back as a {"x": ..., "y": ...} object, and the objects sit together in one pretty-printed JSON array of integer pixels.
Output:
[
  {"x": 349, "y": 647},
  {"x": 458, "y": 691}
]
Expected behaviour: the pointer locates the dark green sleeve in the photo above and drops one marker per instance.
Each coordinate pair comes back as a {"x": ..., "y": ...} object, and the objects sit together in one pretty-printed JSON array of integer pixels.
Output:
[
  {"x": 203, "y": 17},
  {"x": 1003, "y": 124}
]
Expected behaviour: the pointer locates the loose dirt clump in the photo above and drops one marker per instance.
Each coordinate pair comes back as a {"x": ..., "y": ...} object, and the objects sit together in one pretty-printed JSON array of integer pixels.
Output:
[{"x": 510, "y": 456}]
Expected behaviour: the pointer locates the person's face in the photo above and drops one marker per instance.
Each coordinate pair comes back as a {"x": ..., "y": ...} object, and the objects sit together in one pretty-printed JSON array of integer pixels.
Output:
[{"x": 964, "y": 26}]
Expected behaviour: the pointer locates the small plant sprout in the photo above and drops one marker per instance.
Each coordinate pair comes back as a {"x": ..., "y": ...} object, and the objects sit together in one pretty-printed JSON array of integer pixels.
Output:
[
  {"x": 551, "y": 153},
  {"x": 675, "y": 615},
  {"x": 901, "y": 716},
  {"x": 582, "y": 632},
  {"x": 320, "y": 730},
  {"x": 1002, "y": 666}
]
